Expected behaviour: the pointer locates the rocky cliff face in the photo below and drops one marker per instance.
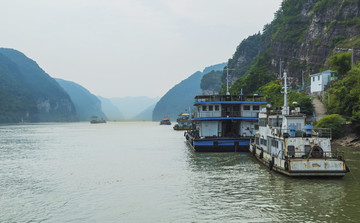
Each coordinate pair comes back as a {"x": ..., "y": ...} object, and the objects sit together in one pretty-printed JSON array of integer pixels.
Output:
[
  {"x": 45, "y": 100},
  {"x": 304, "y": 34},
  {"x": 300, "y": 39}
]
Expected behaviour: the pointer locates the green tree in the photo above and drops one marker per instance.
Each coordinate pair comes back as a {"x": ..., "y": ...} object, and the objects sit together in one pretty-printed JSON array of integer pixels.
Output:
[
  {"x": 341, "y": 62},
  {"x": 334, "y": 122}
]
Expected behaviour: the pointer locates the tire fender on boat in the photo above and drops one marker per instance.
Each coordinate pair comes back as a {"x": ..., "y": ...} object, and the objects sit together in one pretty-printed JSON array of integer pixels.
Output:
[{"x": 286, "y": 165}]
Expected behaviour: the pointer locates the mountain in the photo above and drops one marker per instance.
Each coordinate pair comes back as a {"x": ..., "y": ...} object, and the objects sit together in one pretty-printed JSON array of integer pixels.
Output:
[
  {"x": 28, "y": 93},
  {"x": 110, "y": 110},
  {"x": 86, "y": 104},
  {"x": 302, "y": 37},
  {"x": 181, "y": 96},
  {"x": 146, "y": 115},
  {"x": 133, "y": 106}
]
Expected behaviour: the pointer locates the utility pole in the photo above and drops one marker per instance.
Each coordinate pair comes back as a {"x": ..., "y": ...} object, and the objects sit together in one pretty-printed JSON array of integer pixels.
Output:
[
  {"x": 227, "y": 80},
  {"x": 302, "y": 79},
  {"x": 352, "y": 57},
  {"x": 280, "y": 68}
]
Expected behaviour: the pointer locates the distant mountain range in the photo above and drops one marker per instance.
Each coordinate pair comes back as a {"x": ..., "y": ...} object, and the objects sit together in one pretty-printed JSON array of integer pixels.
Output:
[
  {"x": 181, "y": 97},
  {"x": 135, "y": 108},
  {"x": 86, "y": 104}
]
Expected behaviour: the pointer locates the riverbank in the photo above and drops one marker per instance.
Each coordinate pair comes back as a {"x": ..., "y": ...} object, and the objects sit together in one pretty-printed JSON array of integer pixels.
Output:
[{"x": 350, "y": 140}]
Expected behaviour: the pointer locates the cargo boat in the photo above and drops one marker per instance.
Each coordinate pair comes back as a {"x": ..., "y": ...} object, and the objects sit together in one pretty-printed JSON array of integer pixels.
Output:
[
  {"x": 285, "y": 144},
  {"x": 184, "y": 122},
  {"x": 224, "y": 123}
]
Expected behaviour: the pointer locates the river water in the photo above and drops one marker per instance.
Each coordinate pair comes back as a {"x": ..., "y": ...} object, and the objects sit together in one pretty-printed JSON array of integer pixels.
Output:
[{"x": 144, "y": 172}]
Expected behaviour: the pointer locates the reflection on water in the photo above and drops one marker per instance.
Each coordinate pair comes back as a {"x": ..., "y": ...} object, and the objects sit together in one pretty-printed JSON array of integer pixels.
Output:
[{"x": 143, "y": 172}]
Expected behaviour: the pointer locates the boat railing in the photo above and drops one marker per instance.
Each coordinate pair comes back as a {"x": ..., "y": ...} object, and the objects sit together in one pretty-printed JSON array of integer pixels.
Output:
[
  {"x": 293, "y": 132},
  {"x": 315, "y": 155},
  {"x": 209, "y": 114}
]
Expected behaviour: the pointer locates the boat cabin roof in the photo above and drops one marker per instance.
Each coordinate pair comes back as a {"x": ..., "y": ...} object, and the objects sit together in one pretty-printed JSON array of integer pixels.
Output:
[{"x": 242, "y": 98}]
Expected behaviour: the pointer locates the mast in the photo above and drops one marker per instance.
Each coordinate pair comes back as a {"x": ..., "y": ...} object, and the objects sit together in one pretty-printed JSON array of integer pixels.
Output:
[
  {"x": 285, "y": 110},
  {"x": 227, "y": 80}
]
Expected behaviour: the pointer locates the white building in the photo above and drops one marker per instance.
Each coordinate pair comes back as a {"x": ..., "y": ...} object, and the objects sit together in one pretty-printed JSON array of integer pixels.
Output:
[{"x": 320, "y": 80}]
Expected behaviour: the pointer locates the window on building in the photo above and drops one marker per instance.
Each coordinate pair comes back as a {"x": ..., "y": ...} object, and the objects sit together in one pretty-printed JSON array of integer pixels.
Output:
[
  {"x": 307, "y": 150},
  {"x": 204, "y": 108},
  {"x": 211, "y": 107},
  {"x": 291, "y": 151},
  {"x": 246, "y": 107},
  {"x": 217, "y": 108},
  {"x": 313, "y": 78},
  {"x": 256, "y": 107},
  {"x": 318, "y": 77}
]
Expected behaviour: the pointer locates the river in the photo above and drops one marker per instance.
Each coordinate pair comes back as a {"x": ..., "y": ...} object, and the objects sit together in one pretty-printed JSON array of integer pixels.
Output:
[{"x": 144, "y": 172}]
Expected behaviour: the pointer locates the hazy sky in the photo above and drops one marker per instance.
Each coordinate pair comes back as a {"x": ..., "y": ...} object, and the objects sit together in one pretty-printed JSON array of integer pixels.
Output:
[{"x": 118, "y": 48}]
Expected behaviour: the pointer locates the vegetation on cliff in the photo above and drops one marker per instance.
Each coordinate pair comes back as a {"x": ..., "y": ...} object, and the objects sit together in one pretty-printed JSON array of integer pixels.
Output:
[
  {"x": 334, "y": 122},
  {"x": 28, "y": 93}
]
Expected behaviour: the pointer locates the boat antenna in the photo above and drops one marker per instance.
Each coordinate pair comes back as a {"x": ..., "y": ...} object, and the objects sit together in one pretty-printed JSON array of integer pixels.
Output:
[
  {"x": 227, "y": 80},
  {"x": 286, "y": 106}
]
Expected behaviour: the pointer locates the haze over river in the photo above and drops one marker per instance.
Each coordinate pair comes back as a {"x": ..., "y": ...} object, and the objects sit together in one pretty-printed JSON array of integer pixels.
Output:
[{"x": 144, "y": 172}]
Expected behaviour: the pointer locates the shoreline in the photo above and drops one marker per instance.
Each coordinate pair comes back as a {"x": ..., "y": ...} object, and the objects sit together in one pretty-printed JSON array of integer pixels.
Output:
[{"x": 351, "y": 140}]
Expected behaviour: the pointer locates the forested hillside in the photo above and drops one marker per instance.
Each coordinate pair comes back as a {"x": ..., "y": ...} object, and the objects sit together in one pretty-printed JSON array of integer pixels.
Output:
[
  {"x": 302, "y": 37},
  {"x": 181, "y": 96},
  {"x": 86, "y": 104},
  {"x": 28, "y": 93}
]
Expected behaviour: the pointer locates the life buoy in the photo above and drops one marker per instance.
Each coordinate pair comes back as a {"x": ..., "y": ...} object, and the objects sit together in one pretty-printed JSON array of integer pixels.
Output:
[
  {"x": 271, "y": 164},
  {"x": 317, "y": 152}
]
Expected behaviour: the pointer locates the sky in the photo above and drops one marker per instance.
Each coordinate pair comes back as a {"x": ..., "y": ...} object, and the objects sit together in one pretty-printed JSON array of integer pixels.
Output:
[{"x": 119, "y": 48}]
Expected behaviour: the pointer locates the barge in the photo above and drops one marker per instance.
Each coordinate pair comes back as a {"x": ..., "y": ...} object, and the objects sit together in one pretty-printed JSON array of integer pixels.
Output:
[{"x": 285, "y": 144}]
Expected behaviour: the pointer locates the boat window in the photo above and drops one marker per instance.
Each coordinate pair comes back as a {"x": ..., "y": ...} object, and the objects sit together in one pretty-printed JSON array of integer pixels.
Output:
[
  {"x": 262, "y": 122},
  {"x": 246, "y": 107},
  {"x": 204, "y": 108},
  {"x": 265, "y": 142},
  {"x": 217, "y": 108},
  {"x": 257, "y": 140},
  {"x": 210, "y": 107},
  {"x": 307, "y": 150},
  {"x": 291, "y": 151},
  {"x": 256, "y": 127},
  {"x": 256, "y": 107},
  {"x": 236, "y": 108},
  {"x": 274, "y": 143}
]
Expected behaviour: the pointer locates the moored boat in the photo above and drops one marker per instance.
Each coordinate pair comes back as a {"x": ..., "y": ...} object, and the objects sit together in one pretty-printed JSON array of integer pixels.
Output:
[
  {"x": 184, "y": 122},
  {"x": 224, "y": 123},
  {"x": 287, "y": 145}
]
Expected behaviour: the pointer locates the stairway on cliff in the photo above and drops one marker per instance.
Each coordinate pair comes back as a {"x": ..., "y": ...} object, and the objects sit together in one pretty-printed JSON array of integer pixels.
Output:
[{"x": 320, "y": 109}]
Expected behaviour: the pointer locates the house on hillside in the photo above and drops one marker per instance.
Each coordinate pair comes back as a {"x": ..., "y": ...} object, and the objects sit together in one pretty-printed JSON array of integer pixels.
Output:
[{"x": 320, "y": 80}]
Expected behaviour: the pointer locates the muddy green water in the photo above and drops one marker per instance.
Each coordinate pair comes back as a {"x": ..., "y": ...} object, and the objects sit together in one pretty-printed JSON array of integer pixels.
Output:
[{"x": 144, "y": 172}]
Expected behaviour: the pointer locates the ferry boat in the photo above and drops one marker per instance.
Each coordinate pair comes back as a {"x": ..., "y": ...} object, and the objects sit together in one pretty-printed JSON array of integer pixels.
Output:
[
  {"x": 184, "y": 122},
  {"x": 224, "y": 123},
  {"x": 165, "y": 121},
  {"x": 285, "y": 144}
]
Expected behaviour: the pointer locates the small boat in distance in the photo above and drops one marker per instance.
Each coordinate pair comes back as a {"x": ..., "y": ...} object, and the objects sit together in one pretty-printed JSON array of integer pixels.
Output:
[
  {"x": 165, "y": 121},
  {"x": 95, "y": 120},
  {"x": 286, "y": 144},
  {"x": 184, "y": 122}
]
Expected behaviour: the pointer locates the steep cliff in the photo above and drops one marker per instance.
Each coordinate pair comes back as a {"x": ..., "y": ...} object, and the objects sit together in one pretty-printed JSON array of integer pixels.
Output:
[
  {"x": 86, "y": 104},
  {"x": 37, "y": 96},
  {"x": 302, "y": 36}
]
